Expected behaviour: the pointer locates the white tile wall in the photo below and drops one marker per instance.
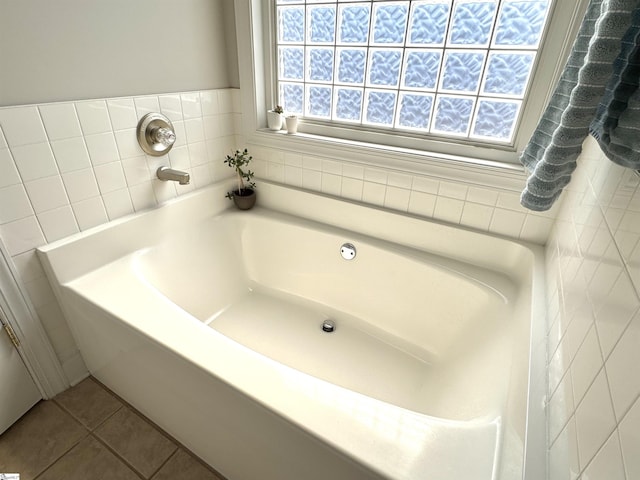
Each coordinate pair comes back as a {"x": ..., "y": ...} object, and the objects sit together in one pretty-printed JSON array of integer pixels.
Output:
[
  {"x": 485, "y": 209},
  {"x": 66, "y": 167},
  {"x": 594, "y": 332}
]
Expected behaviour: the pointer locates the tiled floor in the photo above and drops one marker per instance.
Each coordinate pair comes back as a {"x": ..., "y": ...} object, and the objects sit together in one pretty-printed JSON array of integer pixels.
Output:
[{"x": 87, "y": 433}]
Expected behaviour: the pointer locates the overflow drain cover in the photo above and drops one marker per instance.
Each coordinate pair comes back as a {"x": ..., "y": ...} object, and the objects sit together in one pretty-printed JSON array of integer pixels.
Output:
[
  {"x": 348, "y": 251},
  {"x": 328, "y": 326}
]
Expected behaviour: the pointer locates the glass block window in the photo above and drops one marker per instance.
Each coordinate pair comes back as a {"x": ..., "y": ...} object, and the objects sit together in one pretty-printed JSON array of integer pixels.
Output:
[{"x": 458, "y": 68}]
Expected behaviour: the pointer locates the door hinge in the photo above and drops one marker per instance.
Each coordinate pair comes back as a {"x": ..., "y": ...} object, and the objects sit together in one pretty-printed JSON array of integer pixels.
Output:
[{"x": 11, "y": 334}]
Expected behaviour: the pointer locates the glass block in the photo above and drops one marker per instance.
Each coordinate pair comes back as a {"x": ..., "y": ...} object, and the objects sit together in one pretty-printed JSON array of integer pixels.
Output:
[
  {"x": 291, "y": 24},
  {"x": 428, "y": 24},
  {"x": 508, "y": 73},
  {"x": 496, "y": 119},
  {"x": 415, "y": 111},
  {"x": 322, "y": 24},
  {"x": 421, "y": 68},
  {"x": 384, "y": 67},
  {"x": 521, "y": 23},
  {"x": 351, "y": 65},
  {"x": 462, "y": 71},
  {"x": 354, "y": 24},
  {"x": 291, "y": 63},
  {"x": 472, "y": 22},
  {"x": 292, "y": 97},
  {"x": 320, "y": 64},
  {"x": 348, "y": 104},
  {"x": 319, "y": 101},
  {"x": 453, "y": 115},
  {"x": 390, "y": 22},
  {"x": 380, "y": 107}
]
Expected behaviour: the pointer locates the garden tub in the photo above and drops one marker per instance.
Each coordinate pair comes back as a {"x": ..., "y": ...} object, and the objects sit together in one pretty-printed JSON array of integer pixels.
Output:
[{"x": 314, "y": 338}]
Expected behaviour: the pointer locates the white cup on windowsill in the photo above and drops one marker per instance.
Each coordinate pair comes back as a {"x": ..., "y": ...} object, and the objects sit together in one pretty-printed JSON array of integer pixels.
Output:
[{"x": 292, "y": 124}]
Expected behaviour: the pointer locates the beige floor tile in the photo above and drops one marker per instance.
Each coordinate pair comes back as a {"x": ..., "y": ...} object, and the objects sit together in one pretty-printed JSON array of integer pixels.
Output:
[
  {"x": 137, "y": 441},
  {"x": 183, "y": 465},
  {"x": 38, "y": 439},
  {"x": 89, "y": 460},
  {"x": 89, "y": 403}
]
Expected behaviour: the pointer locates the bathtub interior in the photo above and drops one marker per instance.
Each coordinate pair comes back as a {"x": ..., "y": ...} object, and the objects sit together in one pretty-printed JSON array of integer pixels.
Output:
[
  {"x": 418, "y": 330},
  {"x": 471, "y": 372}
]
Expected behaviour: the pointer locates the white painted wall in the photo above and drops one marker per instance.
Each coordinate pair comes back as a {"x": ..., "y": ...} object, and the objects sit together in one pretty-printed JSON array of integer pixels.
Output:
[{"x": 80, "y": 49}]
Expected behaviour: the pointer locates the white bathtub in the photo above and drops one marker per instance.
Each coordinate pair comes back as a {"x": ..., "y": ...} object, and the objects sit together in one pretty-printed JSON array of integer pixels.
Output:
[{"x": 208, "y": 320}]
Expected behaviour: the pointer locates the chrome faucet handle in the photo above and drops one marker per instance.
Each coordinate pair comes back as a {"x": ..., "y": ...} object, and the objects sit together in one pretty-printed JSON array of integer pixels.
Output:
[
  {"x": 164, "y": 135},
  {"x": 155, "y": 134}
]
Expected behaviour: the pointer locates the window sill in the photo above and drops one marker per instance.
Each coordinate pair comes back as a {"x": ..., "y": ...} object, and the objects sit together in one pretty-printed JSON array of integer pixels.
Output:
[{"x": 472, "y": 171}]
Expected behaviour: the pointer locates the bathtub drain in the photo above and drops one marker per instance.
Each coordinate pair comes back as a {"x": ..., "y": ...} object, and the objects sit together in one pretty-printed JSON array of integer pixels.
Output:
[{"x": 328, "y": 326}]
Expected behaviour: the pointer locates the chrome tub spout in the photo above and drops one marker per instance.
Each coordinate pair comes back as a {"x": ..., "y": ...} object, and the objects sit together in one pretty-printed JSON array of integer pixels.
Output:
[{"x": 166, "y": 173}]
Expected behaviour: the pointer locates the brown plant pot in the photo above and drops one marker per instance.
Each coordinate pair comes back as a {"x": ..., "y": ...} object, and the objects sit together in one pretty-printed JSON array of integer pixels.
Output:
[{"x": 244, "y": 199}]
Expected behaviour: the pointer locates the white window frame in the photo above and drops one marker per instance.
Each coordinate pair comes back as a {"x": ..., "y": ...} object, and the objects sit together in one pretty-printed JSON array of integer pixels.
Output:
[{"x": 476, "y": 163}]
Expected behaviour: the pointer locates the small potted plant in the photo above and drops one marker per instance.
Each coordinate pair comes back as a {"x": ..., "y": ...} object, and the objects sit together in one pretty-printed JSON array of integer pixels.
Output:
[
  {"x": 245, "y": 195},
  {"x": 274, "y": 118}
]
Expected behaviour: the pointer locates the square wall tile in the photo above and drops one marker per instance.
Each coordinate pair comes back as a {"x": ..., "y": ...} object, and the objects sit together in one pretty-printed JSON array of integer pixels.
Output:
[
  {"x": 58, "y": 223},
  {"x": 171, "y": 107},
  {"x": 71, "y": 154},
  {"x": 80, "y": 185},
  {"x": 35, "y": 161},
  {"x": 607, "y": 464},
  {"x": 331, "y": 184},
  {"x": 94, "y": 117},
  {"x": 352, "y": 188},
  {"x": 47, "y": 193},
  {"x": 22, "y": 235},
  {"x": 195, "y": 130},
  {"x": 448, "y": 209},
  {"x": 90, "y": 213},
  {"x": 127, "y": 142},
  {"x": 22, "y": 126},
  {"x": 136, "y": 170},
  {"x": 397, "y": 198},
  {"x": 60, "y": 121},
  {"x": 476, "y": 215},
  {"x": 123, "y": 113},
  {"x": 507, "y": 222},
  {"x": 14, "y": 203},
  {"x": 147, "y": 104},
  {"x": 312, "y": 180},
  {"x": 209, "y": 102},
  {"x": 293, "y": 176},
  {"x": 630, "y": 441},
  {"x": 8, "y": 171},
  {"x": 110, "y": 177},
  {"x": 117, "y": 203},
  {"x": 102, "y": 148},
  {"x": 586, "y": 364},
  {"x": 191, "y": 106},
  {"x": 625, "y": 387},
  {"x": 373, "y": 193},
  {"x": 452, "y": 190},
  {"x": 421, "y": 203},
  {"x": 594, "y": 419},
  {"x": 142, "y": 196}
]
